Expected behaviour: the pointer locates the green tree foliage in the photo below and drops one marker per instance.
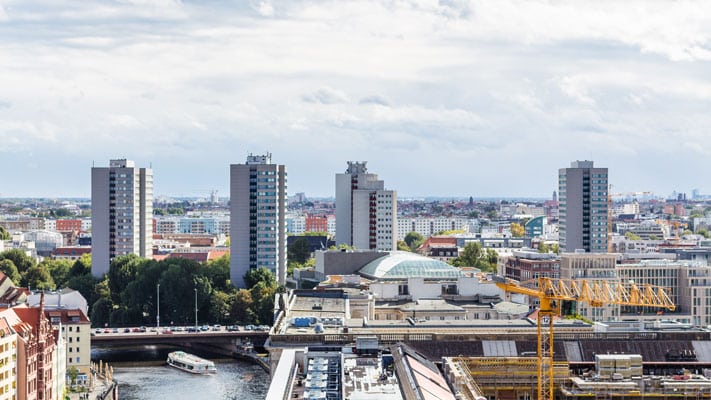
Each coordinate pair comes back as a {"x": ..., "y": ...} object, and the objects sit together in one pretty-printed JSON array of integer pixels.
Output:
[
  {"x": 632, "y": 236},
  {"x": 402, "y": 246},
  {"x": 299, "y": 250},
  {"x": 4, "y": 235},
  {"x": 703, "y": 232},
  {"x": 81, "y": 266},
  {"x": 292, "y": 265},
  {"x": 413, "y": 240},
  {"x": 473, "y": 256},
  {"x": 22, "y": 261},
  {"x": 218, "y": 271},
  {"x": 545, "y": 248},
  {"x": 451, "y": 232},
  {"x": 242, "y": 308},
  {"x": 220, "y": 307},
  {"x": 127, "y": 295},
  {"x": 8, "y": 268},
  {"x": 257, "y": 275},
  {"x": 38, "y": 277},
  {"x": 59, "y": 269},
  {"x": 517, "y": 230},
  {"x": 122, "y": 271}
]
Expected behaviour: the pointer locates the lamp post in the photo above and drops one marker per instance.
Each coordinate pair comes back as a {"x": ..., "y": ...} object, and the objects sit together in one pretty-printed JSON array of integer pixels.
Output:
[
  {"x": 196, "y": 308},
  {"x": 158, "y": 306}
]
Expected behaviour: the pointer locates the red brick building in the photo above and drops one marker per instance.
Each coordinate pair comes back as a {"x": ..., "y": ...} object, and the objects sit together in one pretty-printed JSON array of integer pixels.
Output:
[
  {"x": 316, "y": 223},
  {"x": 35, "y": 350},
  {"x": 68, "y": 225}
]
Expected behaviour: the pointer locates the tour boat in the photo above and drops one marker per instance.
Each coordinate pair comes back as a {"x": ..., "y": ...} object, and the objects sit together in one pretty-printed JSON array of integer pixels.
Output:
[{"x": 190, "y": 363}]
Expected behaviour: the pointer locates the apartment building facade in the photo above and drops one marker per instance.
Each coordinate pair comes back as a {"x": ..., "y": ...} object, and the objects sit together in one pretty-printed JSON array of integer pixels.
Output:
[
  {"x": 258, "y": 195},
  {"x": 366, "y": 213},
  {"x": 122, "y": 213}
]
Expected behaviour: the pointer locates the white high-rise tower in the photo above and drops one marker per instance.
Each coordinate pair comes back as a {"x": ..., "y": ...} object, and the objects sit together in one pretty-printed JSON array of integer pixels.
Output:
[
  {"x": 366, "y": 213},
  {"x": 257, "y": 218},
  {"x": 121, "y": 213},
  {"x": 582, "y": 192}
]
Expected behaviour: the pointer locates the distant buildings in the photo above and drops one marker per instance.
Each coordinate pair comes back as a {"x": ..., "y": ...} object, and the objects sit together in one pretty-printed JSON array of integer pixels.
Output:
[
  {"x": 366, "y": 213},
  {"x": 429, "y": 226},
  {"x": 257, "y": 212},
  {"x": 583, "y": 207},
  {"x": 122, "y": 213}
]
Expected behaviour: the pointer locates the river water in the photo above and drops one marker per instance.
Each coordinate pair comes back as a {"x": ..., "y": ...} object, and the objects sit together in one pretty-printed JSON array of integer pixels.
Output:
[{"x": 144, "y": 375}]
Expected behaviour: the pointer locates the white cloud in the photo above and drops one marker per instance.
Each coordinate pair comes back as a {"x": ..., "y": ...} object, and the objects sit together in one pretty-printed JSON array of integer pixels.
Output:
[
  {"x": 326, "y": 95},
  {"x": 475, "y": 83}
]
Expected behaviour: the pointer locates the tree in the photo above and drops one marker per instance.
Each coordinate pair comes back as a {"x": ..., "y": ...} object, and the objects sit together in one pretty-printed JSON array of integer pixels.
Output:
[
  {"x": 263, "y": 296},
  {"x": 632, "y": 236},
  {"x": 38, "y": 277},
  {"x": 59, "y": 269},
  {"x": 85, "y": 285},
  {"x": 491, "y": 214},
  {"x": 22, "y": 261},
  {"x": 8, "y": 268},
  {"x": 220, "y": 307},
  {"x": 241, "y": 309},
  {"x": 470, "y": 255},
  {"x": 545, "y": 248},
  {"x": 299, "y": 250},
  {"x": 4, "y": 235},
  {"x": 122, "y": 271},
  {"x": 257, "y": 275},
  {"x": 402, "y": 246},
  {"x": 517, "y": 230},
  {"x": 73, "y": 374},
  {"x": 473, "y": 256},
  {"x": 218, "y": 271},
  {"x": 81, "y": 266},
  {"x": 413, "y": 240}
]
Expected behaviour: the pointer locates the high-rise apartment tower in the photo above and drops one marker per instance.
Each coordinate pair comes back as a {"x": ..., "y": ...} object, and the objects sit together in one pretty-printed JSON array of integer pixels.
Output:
[
  {"x": 257, "y": 218},
  {"x": 582, "y": 194},
  {"x": 366, "y": 213},
  {"x": 121, "y": 213}
]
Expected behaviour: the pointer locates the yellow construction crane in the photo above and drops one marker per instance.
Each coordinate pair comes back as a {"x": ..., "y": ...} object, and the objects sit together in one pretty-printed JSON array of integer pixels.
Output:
[{"x": 551, "y": 292}]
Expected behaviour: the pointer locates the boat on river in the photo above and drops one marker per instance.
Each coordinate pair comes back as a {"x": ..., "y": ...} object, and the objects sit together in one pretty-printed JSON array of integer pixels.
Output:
[{"x": 190, "y": 363}]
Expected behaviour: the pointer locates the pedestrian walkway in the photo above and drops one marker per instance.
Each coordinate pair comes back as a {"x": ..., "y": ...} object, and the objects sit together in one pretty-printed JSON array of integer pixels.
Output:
[{"x": 101, "y": 384}]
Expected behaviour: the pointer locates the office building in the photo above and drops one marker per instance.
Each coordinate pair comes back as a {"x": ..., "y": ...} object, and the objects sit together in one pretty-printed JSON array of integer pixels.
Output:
[
  {"x": 258, "y": 218},
  {"x": 366, "y": 213},
  {"x": 121, "y": 213},
  {"x": 583, "y": 206}
]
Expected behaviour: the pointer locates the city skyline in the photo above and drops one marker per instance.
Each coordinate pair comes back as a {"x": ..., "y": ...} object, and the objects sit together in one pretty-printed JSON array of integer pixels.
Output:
[{"x": 452, "y": 98}]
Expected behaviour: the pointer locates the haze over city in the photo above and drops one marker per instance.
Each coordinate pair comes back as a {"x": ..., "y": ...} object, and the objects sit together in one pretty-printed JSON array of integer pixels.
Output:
[{"x": 450, "y": 98}]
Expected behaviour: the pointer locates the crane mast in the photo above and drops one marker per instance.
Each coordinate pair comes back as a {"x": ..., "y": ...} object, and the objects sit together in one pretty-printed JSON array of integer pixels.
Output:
[{"x": 551, "y": 291}]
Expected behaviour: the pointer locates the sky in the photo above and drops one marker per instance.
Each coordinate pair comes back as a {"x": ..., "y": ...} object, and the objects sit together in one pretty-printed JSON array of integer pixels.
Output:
[{"x": 442, "y": 98}]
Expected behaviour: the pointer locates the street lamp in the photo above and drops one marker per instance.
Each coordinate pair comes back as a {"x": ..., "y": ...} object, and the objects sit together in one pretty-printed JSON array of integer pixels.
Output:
[
  {"x": 196, "y": 308},
  {"x": 158, "y": 306}
]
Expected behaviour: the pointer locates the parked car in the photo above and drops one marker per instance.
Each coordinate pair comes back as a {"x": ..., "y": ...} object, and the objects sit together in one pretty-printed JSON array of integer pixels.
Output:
[
  {"x": 98, "y": 330},
  {"x": 192, "y": 329},
  {"x": 204, "y": 328},
  {"x": 217, "y": 327},
  {"x": 232, "y": 328}
]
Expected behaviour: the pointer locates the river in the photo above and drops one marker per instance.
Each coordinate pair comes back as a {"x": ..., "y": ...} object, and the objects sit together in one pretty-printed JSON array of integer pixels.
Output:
[{"x": 150, "y": 378}]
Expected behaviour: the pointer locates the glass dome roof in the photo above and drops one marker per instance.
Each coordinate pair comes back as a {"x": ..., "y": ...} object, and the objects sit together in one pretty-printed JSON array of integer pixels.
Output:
[{"x": 403, "y": 265}]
